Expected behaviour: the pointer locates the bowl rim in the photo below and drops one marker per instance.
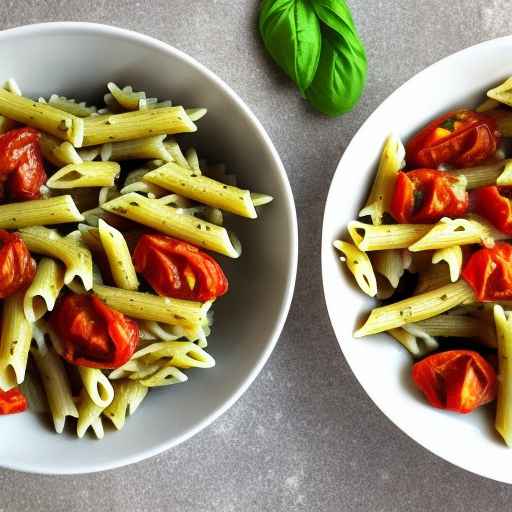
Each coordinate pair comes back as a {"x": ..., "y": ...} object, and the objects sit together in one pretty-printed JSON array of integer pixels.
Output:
[
  {"x": 327, "y": 253},
  {"x": 153, "y": 43}
]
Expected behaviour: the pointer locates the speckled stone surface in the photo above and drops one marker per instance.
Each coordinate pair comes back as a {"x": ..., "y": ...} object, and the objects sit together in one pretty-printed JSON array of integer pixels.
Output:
[{"x": 305, "y": 436}]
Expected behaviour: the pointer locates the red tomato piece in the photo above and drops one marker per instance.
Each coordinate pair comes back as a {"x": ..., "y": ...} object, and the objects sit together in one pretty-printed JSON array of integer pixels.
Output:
[
  {"x": 17, "y": 268},
  {"x": 494, "y": 204},
  {"x": 12, "y": 147},
  {"x": 463, "y": 138},
  {"x": 93, "y": 334},
  {"x": 25, "y": 182},
  {"x": 178, "y": 269},
  {"x": 427, "y": 195},
  {"x": 12, "y": 401},
  {"x": 489, "y": 272},
  {"x": 457, "y": 380}
]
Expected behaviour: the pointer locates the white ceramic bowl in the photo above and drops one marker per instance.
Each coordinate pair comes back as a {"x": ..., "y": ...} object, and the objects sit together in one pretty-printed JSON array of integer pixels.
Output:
[
  {"x": 380, "y": 364},
  {"x": 77, "y": 60}
]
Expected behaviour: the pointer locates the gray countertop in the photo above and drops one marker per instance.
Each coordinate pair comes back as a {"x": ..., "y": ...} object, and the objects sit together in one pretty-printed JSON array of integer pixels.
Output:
[{"x": 305, "y": 436}]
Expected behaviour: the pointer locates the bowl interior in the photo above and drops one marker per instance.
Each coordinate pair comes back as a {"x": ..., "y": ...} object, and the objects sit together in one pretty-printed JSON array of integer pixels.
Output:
[
  {"x": 77, "y": 60},
  {"x": 380, "y": 364}
]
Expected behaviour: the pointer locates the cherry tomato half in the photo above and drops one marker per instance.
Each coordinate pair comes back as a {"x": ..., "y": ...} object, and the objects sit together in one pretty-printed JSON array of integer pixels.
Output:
[
  {"x": 21, "y": 164},
  {"x": 494, "y": 204},
  {"x": 17, "y": 268},
  {"x": 178, "y": 269},
  {"x": 93, "y": 334},
  {"x": 489, "y": 272},
  {"x": 12, "y": 401},
  {"x": 457, "y": 380},
  {"x": 463, "y": 138},
  {"x": 427, "y": 195}
]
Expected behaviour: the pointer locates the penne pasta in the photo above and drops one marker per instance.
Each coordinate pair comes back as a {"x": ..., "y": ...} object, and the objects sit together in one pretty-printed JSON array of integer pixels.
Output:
[
  {"x": 200, "y": 188},
  {"x": 79, "y": 109},
  {"x": 128, "y": 395},
  {"x": 135, "y": 125},
  {"x": 459, "y": 326},
  {"x": 42, "y": 293},
  {"x": 196, "y": 113},
  {"x": 119, "y": 258},
  {"x": 503, "y": 422},
  {"x": 166, "y": 376},
  {"x": 449, "y": 232},
  {"x": 390, "y": 236},
  {"x": 75, "y": 256},
  {"x": 389, "y": 264},
  {"x": 431, "y": 278},
  {"x": 57, "y": 152},
  {"x": 97, "y": 386},
  {"x": 502, "y": 93},
  {"x": 14, "y": 342},
  {"x": 499, "y": 173},
  {"x": 416, "y": 308},
  {"x": 417, "y": 346},
  {"x": 168, "y": 220},
  {"x": 85, "y": 174},
  {"x": 139, "y": 149},
  {"x": 89, "y": 416},
  {"x": 453, "y": 257},
  {"x": 360, "y": 265},
  {"x": 145, "y": 306},
  {"x": 174, "y": 149},
  {"x": 55, "y": 210},
  {"x": 56, "y": 385},
  {"x": 44, "y": 117},
  {"x": 391, "y": 161},
  {"x": 125, "y": 97},
  {"x": 193, "y": 160}
]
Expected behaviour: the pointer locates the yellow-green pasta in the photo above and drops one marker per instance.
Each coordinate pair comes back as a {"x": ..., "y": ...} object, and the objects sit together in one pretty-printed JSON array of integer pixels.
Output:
[
  {"x": 75, "y": 256},
  {"x": 196, "y": 113},
  {"x": 367, "y": 237},
  {"x": 126, "y": 97},
  {"x": 44, "y": 117},
  {"x": 416, "y": 308},
  {"x": 188, "y": 183},
  {"x": 70, "y": 105},
  {"x": 119, "y": 258},
  {"x": 432, "y": 277},
  {"x": 128, "y": 395},
  {"x": 453, "y": 257},
  {"x": 360, "y": 265},
  {"x": 168, "y": 220},
  {"x": 389, "y": 264},
  {"x": 145, "y": 306},
  {"x": 193, "y": 160},
  {"x": 148, "y": 148},
  {"x": 414, "y": 344},
  {"x": 85, "y": 174},
  {"x": 174, "y": 150},
  {"x": 449, "y": 232},
  {"x": 55, "y": 210},
  {"x": 135, "y": 125},
  {"x": 498, "y": 173},
  {"x": 502, "y": 93},
  {"x": 14, "y": 342},
  {"x": 503, "y": 420},
  {"x": 391, "y": 161},
  {"x": 89, "y": 416},
  {"x": 56, "y": 385},
  {"x": 42, "y": 293},
  {"x": 89, "y": 154},
  {"x": 182, "y": 354},
  {"x": 166, "y": 376},
  {"x": 97, "y": 386},
  {"x": 57, "y": 152}
]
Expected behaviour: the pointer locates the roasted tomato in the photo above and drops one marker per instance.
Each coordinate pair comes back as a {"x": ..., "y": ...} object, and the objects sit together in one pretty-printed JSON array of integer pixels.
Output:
[
  {"x": 489, "y": 272},
  {"x": 426, "y": 195},
  {"x": 91, "y": 333},
  {"x": 457, "y": 380},
  {"x": 21, "y": 164},
  {"x": 17, "y": 268},
  {"x": 12, "y": 401},
  {"x": 494, "y": 204},
  {"x": 462, "y": 138},
  {"x": 178, "y": 269}
]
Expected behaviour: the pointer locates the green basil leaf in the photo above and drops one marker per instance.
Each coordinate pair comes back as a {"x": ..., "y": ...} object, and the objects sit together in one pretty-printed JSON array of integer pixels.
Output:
[
  {"x": 341, "y": 73},
  {"x": 336, "y": 15},
  {"x": 291, "y": 33}
]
